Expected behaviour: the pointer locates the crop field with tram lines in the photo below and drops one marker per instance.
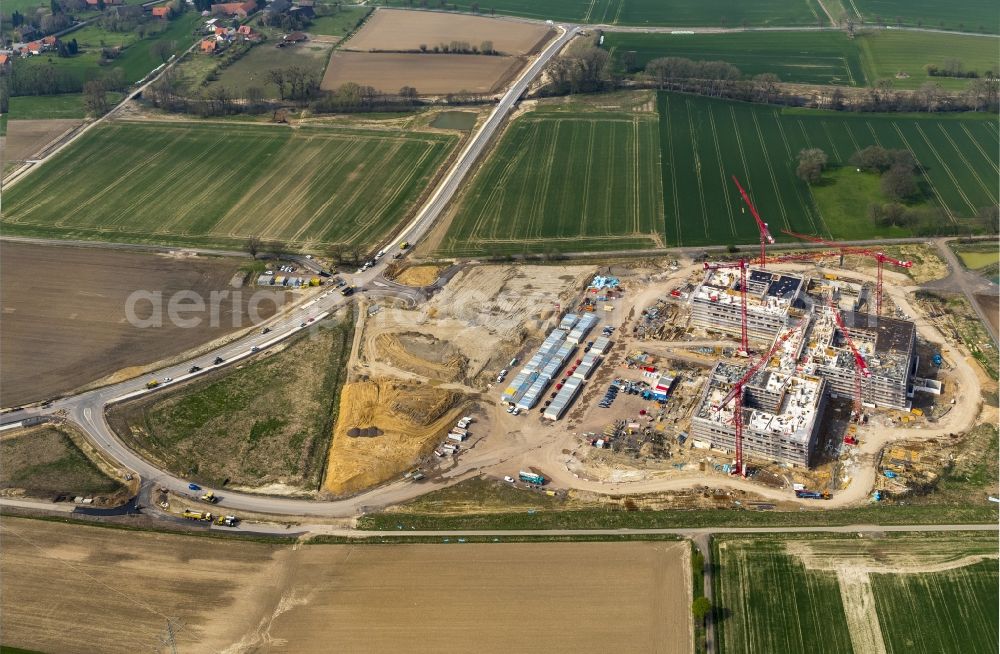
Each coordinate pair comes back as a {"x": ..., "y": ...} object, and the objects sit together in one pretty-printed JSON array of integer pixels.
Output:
[
  {"x": 704, "y": 141},
  {"x": 732, "y": 13},
  {"x": 213, "y": 185},
  {"x": 800, "y": 57},
  {"x": 565, "y": 181},
  {"x": 948, "y": 612},
  {"x": 815, "y": 593}
]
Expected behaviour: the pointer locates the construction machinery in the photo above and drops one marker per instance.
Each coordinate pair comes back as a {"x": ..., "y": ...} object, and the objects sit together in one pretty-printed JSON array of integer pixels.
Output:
[
  {"x": 880, "y": 257},
  {"x": 743, "y": 265},
  {"x": 227, "y": 521},
  {"x": 860, "y": 367},
  {"x": 765, "y": 234},
  {"x": 197, "y": 515},
  {"x": 209, "y": 497},
  {"x": 736, "y": 393}
]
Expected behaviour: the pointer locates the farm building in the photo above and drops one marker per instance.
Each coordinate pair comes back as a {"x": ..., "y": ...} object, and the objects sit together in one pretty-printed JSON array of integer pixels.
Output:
[
  {"x": 296, "y": 37},
  {"x": 238, "y": 9},
  {"x": 161, "y": 12}
]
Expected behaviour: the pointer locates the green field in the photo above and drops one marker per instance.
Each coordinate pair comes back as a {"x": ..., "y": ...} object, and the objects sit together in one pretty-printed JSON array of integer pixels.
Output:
[
  {"x": 570, "y": 177},
  {"x": 565, "y": 182},
  {"x": 136, "y": 60},
  {"x": 967, "y": 15},
  {"x": 214, "y": 184},
  {"x": 954, "y": 611},
  {"x": 655, "y": 12},
  {"x": 341, "y": 23},
  {"x": 45, "y": 107},
  {"x": 800, "y": 593},
  {"x": 770, "y": 602},
  {"x": 45, "y": 461},
  {"x": 251, "y": 69},
  {"x": 704, "y": 141},
  {"x": 268, "y": 422},
  {"x": 804, "y": 57},
  {"x": 885, "y": 54}
]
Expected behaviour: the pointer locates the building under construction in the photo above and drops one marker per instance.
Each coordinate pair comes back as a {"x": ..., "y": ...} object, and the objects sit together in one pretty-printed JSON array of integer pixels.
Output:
[
  {"x": 888, "y": 346},
  {"x": 784, "y": 401},
  {"x": 771, "y": 298},
  {"x": 782, "y": 409}
]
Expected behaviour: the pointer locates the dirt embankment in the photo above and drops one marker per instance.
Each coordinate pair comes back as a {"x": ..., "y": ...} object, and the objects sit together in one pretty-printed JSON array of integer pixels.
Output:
[
  {"x": 419, "y": 275},
  {"x": 395, "y": 422},
  {"x": 421, "y": 354}
]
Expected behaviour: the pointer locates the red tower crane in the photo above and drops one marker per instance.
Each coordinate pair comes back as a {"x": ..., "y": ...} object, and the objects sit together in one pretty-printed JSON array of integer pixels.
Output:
[
  {"x": 860, "y": 367},
  {"x": 736, "y": 393},
  {"x": 880, "y": 258},
  {"x": 742, "y": 264},
  {"x": 765, "y": 234}
]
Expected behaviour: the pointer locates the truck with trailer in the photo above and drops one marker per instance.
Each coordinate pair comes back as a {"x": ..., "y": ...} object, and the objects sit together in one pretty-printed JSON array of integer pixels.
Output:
[
  {"x": 531, "y": 478},
  {"x": 812, "y": 495},
  {"x": 197, "y": 515}
]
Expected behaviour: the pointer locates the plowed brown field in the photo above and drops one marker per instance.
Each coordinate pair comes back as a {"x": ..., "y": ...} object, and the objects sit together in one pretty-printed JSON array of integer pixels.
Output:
[
  {"x": 75, "y": 588},
  {"x": 430, "y": 74},
  {"x": 64, "y": 314},
  {"x": 393, "y": 29}
]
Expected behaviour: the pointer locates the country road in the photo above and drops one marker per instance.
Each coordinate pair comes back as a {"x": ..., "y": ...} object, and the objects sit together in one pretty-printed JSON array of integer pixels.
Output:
[{"x": 88, "y": 409}]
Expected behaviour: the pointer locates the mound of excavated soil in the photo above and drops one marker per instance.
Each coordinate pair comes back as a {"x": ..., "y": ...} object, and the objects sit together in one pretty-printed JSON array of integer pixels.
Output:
[
  {"x": 419, "y": 275},
  {"x": 410, "y": 417},
  {"x": 422, "y": 354}
]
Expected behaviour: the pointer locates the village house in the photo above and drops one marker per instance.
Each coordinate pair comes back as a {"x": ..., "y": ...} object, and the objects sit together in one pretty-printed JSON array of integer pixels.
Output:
[
  {"x": 238, "y": 9},
  {"x": 208, "y": 46},
  {"x": 161, "y": 12}
]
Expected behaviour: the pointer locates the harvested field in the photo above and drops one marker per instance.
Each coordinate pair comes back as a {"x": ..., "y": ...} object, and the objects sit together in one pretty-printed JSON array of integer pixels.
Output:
[
  {"x": 397, "y": 30},
  {"x": 365, "y": 598},
  {"x": 49, "y": 460},
  {"x": 59, "y": 335},
  {"x": 419, "y": 275},
  {"x": 407, "y": 419},
  {"x": 264, "y": 426},
  {"x": 190, "y": 183},
  {"x": 26, "y": 138},
  {"x": 430, "y": 74}
]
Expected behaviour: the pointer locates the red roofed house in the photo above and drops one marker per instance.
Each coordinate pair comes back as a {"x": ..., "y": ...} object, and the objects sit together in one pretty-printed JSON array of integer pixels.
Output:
[
  {"x": 208, "y": 45},
  {"x": 161, "y": 12},
  {"x": 220, "y": 31},
  {"x": 4, "y": 61},
  {"x": 247, "y": 31},
  {"x": 239, "y": 9},
  {"x": 49, "y": 42},
  {"x": 35, "y": 47}
]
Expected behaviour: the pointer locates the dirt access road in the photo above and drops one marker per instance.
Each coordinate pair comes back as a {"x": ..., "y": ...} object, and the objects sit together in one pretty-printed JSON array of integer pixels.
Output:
[{"x": 75, "y": 588}]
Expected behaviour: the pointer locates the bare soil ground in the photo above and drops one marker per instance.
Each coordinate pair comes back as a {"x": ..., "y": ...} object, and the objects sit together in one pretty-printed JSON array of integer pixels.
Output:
[
  {"x": 430, "y": 74},
  {"x": 393, "y": 29},
  {"x": 72, "y": 588},
  {"x": 65, "y": 322},
  {"x": 419, "y": 275},
  {"x": 407, "y": 419},
  {"x": 991, "y": 307},
  {"x": 26, "y": 138}
]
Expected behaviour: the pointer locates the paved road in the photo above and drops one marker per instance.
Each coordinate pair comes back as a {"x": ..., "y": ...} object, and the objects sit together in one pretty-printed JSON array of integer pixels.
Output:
[
  {"x": 88, "y": 409},
  {"x": 966, "y": 282}
]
